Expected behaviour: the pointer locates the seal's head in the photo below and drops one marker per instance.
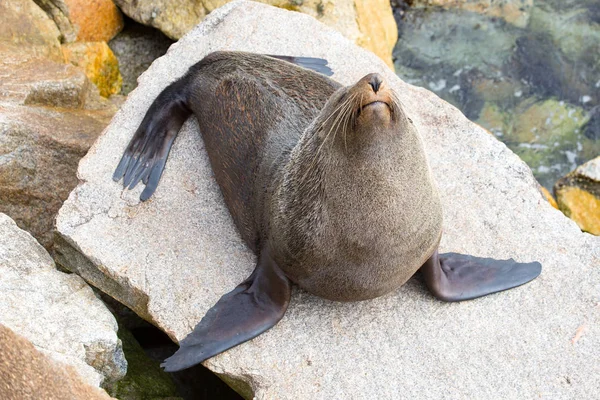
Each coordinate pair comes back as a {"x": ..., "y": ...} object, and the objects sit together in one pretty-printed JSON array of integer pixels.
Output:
[{"x": 358, "y": 113}]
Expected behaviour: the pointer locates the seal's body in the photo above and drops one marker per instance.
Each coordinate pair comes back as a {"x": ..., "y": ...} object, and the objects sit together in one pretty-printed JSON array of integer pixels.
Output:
[{"x": 328, "y": 185}]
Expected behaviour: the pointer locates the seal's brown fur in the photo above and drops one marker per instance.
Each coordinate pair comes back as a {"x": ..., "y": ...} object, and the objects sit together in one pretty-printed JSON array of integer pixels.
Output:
[
  {"x": 352, "y": 211},
  {"x": 328, "y": 185},
  {"x": 357, "y": 212}
]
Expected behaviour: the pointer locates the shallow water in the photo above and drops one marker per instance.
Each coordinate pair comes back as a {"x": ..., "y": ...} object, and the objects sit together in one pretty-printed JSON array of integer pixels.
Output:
[{"x": 528, "y": 71}]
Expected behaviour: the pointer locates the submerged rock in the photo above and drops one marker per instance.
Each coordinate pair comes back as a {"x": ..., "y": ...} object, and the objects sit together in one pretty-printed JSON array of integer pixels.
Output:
[
  {"x": 548, "y": 135},
  {"x": 578, "y": 196},
  {"x": 516, "y": 12},
  {"x": 479, "y": 56},
  {"x": 171, "y": 258},
  {"x": 58, "y": 312}
]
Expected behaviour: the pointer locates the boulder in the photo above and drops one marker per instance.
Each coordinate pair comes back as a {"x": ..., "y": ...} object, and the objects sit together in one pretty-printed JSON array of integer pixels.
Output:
[
  {"x": 578, "y": 196},
  {"x": 84, "y": 20},
  {"x": 172, "y": 257},
  {"x": 24, "y": 24},
  {"x": 99, "y": 63},
  {"x": 39, "y": 152},
  {"x": 370, "y": 24},
  {"x": 50, "y": 115},
  {"x": 58, "y": 312},
  {"x": 26, "y": 373}
]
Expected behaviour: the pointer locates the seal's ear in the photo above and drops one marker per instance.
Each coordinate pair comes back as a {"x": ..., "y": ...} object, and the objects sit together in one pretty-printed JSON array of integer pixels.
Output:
[
  {"x": 253, "y": 307},
  {"x": 315, "y": 64}
]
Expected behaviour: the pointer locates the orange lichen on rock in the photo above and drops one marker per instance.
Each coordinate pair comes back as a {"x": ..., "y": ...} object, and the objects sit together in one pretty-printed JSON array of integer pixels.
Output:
[
  {"x": 582, "y": 207},
  {"x": 96, "y": 20},
  {"x": 100, "y": 64}
]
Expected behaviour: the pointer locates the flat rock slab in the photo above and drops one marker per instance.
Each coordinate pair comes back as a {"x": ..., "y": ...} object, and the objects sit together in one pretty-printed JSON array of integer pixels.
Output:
[
  {"x": 172, "y": 257},
  {"x": 58, "y": 312}
]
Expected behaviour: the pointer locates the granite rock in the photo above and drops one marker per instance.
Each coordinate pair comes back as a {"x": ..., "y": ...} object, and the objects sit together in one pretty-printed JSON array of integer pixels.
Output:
[
  {"x": 100, "y": 65},
  {"x": 369, "y": 23},
  {"x": 26, "y": 373},
  {"x": 50, "y": 115},
  {"x": 172, "y": 257},
  {"x": 25, "y": 24},
  {"x": 58, "y": 312},
  {"x": 84, "y": 20}
]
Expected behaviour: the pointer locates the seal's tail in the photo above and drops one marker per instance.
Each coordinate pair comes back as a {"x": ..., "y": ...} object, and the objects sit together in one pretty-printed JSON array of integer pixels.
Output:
[{"x": 145, "y": 156}]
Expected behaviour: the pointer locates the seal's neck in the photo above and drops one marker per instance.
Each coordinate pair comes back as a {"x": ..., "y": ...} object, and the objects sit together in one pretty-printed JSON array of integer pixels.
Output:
[{"x": 349, "y": 198}]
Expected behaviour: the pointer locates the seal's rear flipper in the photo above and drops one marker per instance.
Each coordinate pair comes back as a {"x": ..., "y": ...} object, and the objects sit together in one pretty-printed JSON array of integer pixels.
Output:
[
  {"x": 253, "y": 307},
  {"x": 315, "y": 64},
  {"x": 145, "y": 157},
  {"x": 456, "y": 277}
]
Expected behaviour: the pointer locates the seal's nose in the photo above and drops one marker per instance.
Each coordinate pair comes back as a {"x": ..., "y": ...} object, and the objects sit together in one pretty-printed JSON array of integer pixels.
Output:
[{"x": 375, "y": 82}]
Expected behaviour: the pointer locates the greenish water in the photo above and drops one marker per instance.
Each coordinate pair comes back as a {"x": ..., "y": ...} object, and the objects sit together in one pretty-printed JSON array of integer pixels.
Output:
[{"x": 530, "y": 75}]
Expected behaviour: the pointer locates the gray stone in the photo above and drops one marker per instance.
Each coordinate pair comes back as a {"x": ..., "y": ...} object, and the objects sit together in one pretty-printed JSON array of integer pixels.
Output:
[
  {"x": 172, "y": 257},
  {"x": 58, "y": 312},
  {"x": 50, "y": 115},
  {"x": 590, "y": 169}
]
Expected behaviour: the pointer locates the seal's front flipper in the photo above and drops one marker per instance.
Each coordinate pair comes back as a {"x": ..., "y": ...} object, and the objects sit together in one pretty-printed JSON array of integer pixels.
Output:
[
  {"x": 456, "y": 277},
  {"x": 253, "y": 307},
  {"x": 145, "y": 157},
  {"x": 315, "y": 64}
]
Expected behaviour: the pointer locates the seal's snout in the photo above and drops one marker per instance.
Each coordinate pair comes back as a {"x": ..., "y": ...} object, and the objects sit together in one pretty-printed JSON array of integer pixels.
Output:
[{"x": 375, "y": 80}]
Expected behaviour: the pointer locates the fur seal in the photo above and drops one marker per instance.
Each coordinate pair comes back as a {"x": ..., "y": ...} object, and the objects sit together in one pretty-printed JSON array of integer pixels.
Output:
[{"x": 328, "y": 185}]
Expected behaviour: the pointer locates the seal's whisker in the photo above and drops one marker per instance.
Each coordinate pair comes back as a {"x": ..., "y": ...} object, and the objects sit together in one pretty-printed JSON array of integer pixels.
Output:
[
  {"x": 341, "y": 118},
  {"x": 340, "y": 111}
]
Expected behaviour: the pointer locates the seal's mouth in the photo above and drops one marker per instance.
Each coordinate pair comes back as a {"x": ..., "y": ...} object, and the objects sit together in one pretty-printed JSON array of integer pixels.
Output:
[{"x": 375, "y": 103}]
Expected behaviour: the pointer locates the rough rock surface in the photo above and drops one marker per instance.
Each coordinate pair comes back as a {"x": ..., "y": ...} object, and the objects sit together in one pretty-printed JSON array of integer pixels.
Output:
[
  {"x": 369, "y": 23},
  {"x": 578, "y": 196},
  {"x": 59, "y": 313},
  {"x": 172, "y": 257},
  {"x": 50, "y": 115},
  {"x": 25, "y": 24},
  {"x": 27, "y": 374},
  {"x": 84, "y": 20},
  {"x": 99, "y": 63}
]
